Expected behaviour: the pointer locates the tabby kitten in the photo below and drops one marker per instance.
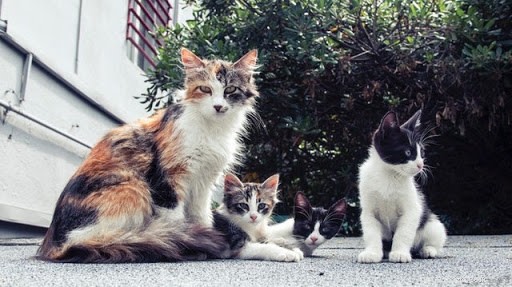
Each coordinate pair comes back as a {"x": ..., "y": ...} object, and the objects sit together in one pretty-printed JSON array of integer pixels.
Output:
[
  {"x": 394, "y": 214},
  {"x": 243, "y": 219},
  {"x": 310, "y": 226},
  {"x": 143, "y": 193}
]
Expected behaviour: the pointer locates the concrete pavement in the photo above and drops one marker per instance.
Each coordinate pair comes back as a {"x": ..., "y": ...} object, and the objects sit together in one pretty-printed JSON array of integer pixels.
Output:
[{"x": 466, "y": 261}]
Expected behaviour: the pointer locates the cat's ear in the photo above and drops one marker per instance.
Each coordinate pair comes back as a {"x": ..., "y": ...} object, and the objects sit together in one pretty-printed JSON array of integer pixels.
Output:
[
  {"x": 388, "y": 123},
  {"x": 248, "y": 61},
  {"x": 232, "y": 183},
  {"x": 413, "y": 122},
  {"x": 302, "y": 208},
  {"x": 271, "y": 183},
  {"x": 338, "y": 210},
  {"x": 190, "y": 60}
]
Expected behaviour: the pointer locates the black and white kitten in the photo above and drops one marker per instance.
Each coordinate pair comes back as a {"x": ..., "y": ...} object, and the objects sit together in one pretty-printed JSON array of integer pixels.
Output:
[
  {"x": 394, "y": 214},
  {"x": 243, "y": 219},
  {"x": 310, "y": 226}
]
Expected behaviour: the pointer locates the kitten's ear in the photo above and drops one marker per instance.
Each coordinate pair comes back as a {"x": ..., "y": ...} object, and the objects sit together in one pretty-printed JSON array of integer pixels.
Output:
[
  {"x": 302, "y": 207},
  {"x": 338, "y": 210},
  {"x": 389, "y": 122},
  {"x": 248, "y": 61},
  {"x": 413, "y": 122},
  {"x": 271, "y": 183},
  {"x": 232, "y": 183},
  {"x": 190, "y": 60}
]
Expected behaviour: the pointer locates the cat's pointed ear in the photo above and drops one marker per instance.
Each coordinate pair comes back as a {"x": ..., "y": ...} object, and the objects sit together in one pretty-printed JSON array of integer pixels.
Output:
[
  {"x": 271, "y": 183},
  {"x": 388, "y": 123},
  {"x": 232, "y": 183},
  {"x": 413, "y": 122},
  {"x": 248, "y": 61},
  {"x": 302, "y": 208},
  {"x": 190, "y": 60},
  {"x": 338, "y": 210}
]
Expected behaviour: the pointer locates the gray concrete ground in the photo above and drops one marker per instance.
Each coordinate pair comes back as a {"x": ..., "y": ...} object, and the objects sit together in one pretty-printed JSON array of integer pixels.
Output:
[{"x": 466, "y": 261}]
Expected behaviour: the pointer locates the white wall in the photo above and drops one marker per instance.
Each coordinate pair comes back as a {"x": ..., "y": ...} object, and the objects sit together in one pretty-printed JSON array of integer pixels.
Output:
[{"x": 36, "y": 163}]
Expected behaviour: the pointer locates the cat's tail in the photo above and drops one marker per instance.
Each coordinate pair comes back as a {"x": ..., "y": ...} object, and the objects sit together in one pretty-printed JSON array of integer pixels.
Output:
[{"x": 159, "y": 242}]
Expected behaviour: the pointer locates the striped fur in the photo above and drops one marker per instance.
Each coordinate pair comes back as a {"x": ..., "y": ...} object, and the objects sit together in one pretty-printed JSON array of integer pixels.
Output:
[{"x": 143, "y": 193}]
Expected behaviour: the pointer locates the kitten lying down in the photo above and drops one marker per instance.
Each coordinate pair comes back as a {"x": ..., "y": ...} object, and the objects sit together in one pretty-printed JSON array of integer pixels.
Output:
[
  {"x": 310, "y": 227},
  {"x": 243, "y": 219}
]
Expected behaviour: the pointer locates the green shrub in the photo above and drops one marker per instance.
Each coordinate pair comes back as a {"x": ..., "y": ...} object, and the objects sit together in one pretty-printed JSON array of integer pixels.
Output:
[{"x": 331, "y": 69}]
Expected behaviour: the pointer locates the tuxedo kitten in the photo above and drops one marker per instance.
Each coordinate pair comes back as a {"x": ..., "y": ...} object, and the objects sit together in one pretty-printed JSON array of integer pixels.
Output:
[
  {"x": 394, "y": 214},
  {"x": 243, "y": 219},
  {"x": 310, "y": 226}
]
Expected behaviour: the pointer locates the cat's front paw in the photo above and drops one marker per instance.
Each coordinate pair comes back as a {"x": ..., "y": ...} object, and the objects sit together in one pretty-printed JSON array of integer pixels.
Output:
[
  {"x": 299, "y": 252},
  {"x": 368, "y": 256},
  {"x": 428, "y": 252},
  {"x": 400, "y": 256},
  {"x": 288, "y": 256}
]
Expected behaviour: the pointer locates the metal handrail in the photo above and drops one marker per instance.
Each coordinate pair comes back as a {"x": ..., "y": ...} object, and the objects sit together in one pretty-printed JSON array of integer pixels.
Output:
[{"x": 10, "y": 108}]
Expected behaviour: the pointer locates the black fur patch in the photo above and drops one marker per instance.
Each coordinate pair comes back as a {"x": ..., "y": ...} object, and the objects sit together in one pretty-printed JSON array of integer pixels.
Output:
[
  {"x": 172, "y": 113},
  {"x": 233, "y": 234},
  {"x": 68, "y": 217},
  {"x": 162, "y": 193},
  {"x": 83, "y": 185}
]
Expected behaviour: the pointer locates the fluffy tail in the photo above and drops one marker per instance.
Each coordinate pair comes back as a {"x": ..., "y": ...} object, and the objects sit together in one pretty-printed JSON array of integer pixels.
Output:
[{"x": 157, "y": 243}]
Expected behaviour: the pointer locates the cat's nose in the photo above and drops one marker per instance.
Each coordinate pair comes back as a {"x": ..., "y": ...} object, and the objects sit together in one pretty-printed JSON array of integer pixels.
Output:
[
  {"x": 420, "y": 166},
  {"x": 217, "y": 108},
  {"x": 253, "y": 217},
  {"x": 314, "y": 239}
]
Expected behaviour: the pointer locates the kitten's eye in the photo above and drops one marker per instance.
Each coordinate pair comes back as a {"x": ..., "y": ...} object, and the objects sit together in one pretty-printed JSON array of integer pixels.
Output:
[
  {"x": 205, "y": 89},
  {"x": 262, "y": 206},
  {"x": 407, "y": 153},
  {"x": 229, "y": 90},
  {"x": 242, "y": 206},
  {"x": 422, "y": 153}
]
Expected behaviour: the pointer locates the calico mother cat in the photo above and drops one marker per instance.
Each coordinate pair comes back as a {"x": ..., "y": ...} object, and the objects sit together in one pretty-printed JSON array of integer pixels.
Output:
[
  {"x": 143, "y": 193},
  {"x": 310, "y": 226},
  {"x": 243, "y": 218},
  {"x": 394, "y": 215}
]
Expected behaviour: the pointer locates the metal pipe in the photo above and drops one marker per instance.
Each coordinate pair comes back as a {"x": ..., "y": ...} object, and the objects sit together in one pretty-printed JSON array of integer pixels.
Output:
[
  {"x": 10, "y": 108},
  {"x": 78, "y": 29},
  {"x": 27, "y": 66}
]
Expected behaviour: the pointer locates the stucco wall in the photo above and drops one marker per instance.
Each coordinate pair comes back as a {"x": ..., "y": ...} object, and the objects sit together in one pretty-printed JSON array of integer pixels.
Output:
[{"x": 83, "y": 42}]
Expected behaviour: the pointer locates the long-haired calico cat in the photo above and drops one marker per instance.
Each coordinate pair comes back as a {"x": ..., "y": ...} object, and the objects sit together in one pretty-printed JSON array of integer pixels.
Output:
[
  {"x": 310, "y": 226},
  {"x": 143, "y": 193},
  {"x": 394, "y": 214},
  {"x": 243, "y": 219}
]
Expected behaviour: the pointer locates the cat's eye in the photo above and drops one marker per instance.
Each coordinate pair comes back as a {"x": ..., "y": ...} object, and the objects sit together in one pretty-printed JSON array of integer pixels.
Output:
[
  {"x": 262, "y": 206},
  {"x": 422, "y": 153},
  {"x": 242, "y": 206},
  {"x": 229, "y": 90},
  {"x": 408, "y": 153},
  {"x": 205, "y": 89}
]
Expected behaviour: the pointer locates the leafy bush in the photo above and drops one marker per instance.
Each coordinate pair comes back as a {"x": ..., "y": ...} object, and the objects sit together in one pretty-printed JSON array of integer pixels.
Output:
[{"x": 331, "y": 69}]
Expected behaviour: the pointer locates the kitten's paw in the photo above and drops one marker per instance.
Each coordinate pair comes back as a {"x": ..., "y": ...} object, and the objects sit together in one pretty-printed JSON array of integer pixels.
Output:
[
  {"x": 428, "y": 252},
  {"x": 288, "y": 256},
  {"x": 400, "y": 256},
  {"x": 279, "y": 241},
  {"x": 299, "y": 252},
  {"x": 369, "y": 257}
]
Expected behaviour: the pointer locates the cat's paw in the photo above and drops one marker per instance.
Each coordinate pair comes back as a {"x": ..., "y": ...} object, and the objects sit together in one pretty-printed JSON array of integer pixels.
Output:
[
  {"x": 400, "y": 256},
  {"x": 369, "y": 257},
  {"x": 299, "y": 252},
  {"x": 428, "y": 252},
  {"x": 279, "y": 241},
  {"x": 288, "y": 256}
]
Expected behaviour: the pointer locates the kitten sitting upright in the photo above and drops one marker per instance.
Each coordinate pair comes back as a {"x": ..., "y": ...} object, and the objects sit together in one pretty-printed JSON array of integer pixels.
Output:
[
  {"x": 310, "y": 226},
  {"x": 394, "y": 212},
  {"x": 243, "y": 219}
]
